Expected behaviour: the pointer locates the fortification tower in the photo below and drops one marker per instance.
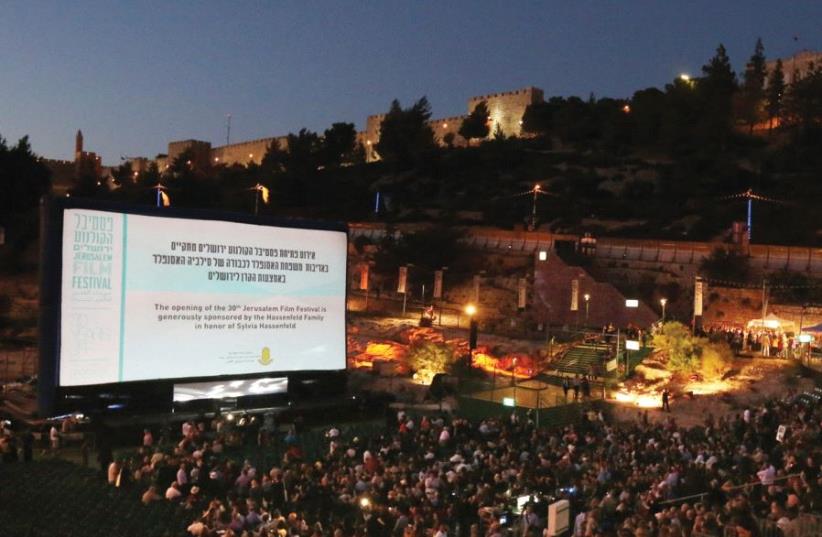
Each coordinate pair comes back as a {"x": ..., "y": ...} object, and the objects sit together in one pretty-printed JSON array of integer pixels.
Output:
[{"x": 78, "y": 145}]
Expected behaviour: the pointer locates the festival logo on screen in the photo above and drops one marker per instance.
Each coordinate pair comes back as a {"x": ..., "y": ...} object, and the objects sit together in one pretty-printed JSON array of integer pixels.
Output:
[{"x": 265, "y": 356}]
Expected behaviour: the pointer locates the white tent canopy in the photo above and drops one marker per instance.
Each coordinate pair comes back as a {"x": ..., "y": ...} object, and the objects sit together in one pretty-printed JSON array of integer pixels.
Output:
[{"x": 772, "y": 322}]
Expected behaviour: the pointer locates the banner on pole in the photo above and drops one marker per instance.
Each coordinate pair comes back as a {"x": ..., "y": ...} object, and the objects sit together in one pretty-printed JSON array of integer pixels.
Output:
[
  {"x": 402, "y": 280},
  {"x": 574, "y": 295},
  {"x": 437, "y": 284},
  {"x": 364, "y": 278},
  {"x": 476, "y": 293},
  {"x": 521, "y": 297},
  {"x": 698, "y": 297}
]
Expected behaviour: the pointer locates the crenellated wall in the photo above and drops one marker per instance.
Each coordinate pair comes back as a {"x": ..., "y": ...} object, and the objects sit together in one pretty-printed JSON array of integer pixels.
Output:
[
  {"x": 506, "y": 109},
  {"x": 244, "y": 153}
]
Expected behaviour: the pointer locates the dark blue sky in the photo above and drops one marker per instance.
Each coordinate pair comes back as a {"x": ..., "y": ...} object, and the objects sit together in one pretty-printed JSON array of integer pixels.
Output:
[{"x": 136, "y": 75}]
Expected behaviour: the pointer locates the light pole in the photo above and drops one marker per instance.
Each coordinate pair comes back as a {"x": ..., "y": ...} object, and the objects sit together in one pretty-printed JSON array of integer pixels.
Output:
[
  {"x": 587, "y": 298},
  {"x": 534, "y": 207},
  {"x": 471, "y": 311},
  {"x": 663, "y": 302}
]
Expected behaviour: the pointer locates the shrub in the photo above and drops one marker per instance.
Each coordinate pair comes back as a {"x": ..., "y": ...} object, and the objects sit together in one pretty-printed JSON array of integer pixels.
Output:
[
  {"x": 689, "y": 354},
  {"x": 431, "y": 358}
]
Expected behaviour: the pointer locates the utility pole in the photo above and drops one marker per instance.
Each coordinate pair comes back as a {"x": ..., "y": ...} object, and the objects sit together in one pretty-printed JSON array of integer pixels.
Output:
[
  {"x": 764, "y": 299},
  {"x": 227, "y": 129}
]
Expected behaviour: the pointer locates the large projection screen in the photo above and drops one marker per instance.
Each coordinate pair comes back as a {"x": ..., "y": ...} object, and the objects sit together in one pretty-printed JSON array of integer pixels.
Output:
[{"x": 153, "y": 297}]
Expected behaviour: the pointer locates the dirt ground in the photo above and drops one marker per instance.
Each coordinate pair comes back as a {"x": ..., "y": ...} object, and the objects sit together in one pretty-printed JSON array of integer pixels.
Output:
[{"x": 755, "y": 380}]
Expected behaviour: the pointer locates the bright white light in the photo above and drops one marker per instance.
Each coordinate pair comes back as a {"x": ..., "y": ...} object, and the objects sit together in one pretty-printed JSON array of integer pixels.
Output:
[
  {"x": 805, "y": 338},
  {"x": 543, "y": 255},
  {"x": 632, "y": 345},
  {"x": 230, "y": 417},
  {"x": 632, "y": 303},
  {"x": 509, "y": 401}
]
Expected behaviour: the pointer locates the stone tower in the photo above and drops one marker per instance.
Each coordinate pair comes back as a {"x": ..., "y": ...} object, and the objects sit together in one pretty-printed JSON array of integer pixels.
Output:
[{"x": 78, "y": 145}]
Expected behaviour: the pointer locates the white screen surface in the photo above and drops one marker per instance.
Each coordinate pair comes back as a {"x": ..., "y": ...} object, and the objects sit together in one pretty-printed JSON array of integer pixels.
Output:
[{"x": 146, "y": 297}]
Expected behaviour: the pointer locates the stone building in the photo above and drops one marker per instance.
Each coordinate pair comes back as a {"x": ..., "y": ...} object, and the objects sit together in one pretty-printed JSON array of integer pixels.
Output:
[
  {"x": 506, "y": 110},
  {"x": 797, "y": 65},
  {"x": 244, "y": 153}
]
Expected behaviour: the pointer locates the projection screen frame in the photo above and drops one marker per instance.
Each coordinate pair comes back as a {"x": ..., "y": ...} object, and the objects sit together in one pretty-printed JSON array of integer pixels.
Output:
[{"x": 51, "y": 246}]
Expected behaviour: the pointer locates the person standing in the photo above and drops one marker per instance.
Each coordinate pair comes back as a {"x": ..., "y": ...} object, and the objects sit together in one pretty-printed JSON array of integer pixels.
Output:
[
  {"x": 666, "y": 406},
  {"x": 576, "y": 387},
  {"x": 565, "y": 387}
]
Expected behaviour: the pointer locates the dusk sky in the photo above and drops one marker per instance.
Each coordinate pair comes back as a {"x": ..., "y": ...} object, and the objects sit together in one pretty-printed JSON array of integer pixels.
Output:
[{"x": 135, "y": 75}]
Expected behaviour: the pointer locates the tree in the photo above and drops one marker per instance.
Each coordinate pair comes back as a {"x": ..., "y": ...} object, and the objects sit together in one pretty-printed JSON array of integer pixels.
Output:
[
  {"x": 274, "y": 159},
  {"x": 681, "y": 348},
  {"x": 428, "y": 358},
  {"x": 647, "y": 110},
  {"x": 303, "y": 156},
  {"x": 123, "y": 174},
  {"x": 499, "y": 134},
  {"x": 338, "y": 144},
  {"x": 689, "y": 354},
  {"x": 24, "y": 179},
  {"x": 716, "y": 90},
  {"x": 537, "y": 118},
  {"x": 448, "y": 139},
  {"x": 727, "y": 264},
  {"x": 753, "y": 87},
  {"x": 775, "y": 94},
  {"x": 476, "y": 124},
  {"x": 803, "y": 103},
  {"x": 405, "y": 136}
]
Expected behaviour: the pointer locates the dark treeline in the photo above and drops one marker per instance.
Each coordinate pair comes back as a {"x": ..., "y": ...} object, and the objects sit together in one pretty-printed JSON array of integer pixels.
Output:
[{"x": 660, "y": 164}]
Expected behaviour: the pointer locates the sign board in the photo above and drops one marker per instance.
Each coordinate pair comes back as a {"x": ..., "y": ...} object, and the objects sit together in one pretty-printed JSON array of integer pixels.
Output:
[
  {"x": 574, "y": 295},
  {"x": 402, "y": 280},
  {"x": 780, "y": 433},
  {"x": 437, "y": 284},
  {"x": 632, "y": 344},
  {"x": 521, "y": 291},
  {"x": 698, "y": 297},
  {"x": 611, "y": 365},
  {"x": 559, "y": 518},
  {"x": 805, "y": 338},
  {"x": 509, "y": 401},
  {"x": 632, "y": 303}
]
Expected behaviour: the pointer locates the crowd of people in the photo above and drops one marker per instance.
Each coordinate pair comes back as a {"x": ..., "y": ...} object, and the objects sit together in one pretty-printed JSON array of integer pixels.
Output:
[
  {"x": 443, "y": 475},
  {"x": 762, "y": 341}
]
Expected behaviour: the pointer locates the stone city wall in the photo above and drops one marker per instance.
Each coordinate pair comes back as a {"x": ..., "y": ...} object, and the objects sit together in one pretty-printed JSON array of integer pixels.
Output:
[
  {"x": 506, "y": 109},
  {"x": 245, "y": 153},
  {"x": 797, "y": 65}
]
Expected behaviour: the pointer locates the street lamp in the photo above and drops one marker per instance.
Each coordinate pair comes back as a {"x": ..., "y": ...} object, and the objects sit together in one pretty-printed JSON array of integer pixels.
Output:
[
  {"x": 537, "y": 191},
  {"x": 587, "y": 298},
  {"x": 663, "y": 302}
]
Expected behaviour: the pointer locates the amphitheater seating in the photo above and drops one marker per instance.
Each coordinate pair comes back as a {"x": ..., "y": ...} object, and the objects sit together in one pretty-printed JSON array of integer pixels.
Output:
[{"x": 582, "y": 359}]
